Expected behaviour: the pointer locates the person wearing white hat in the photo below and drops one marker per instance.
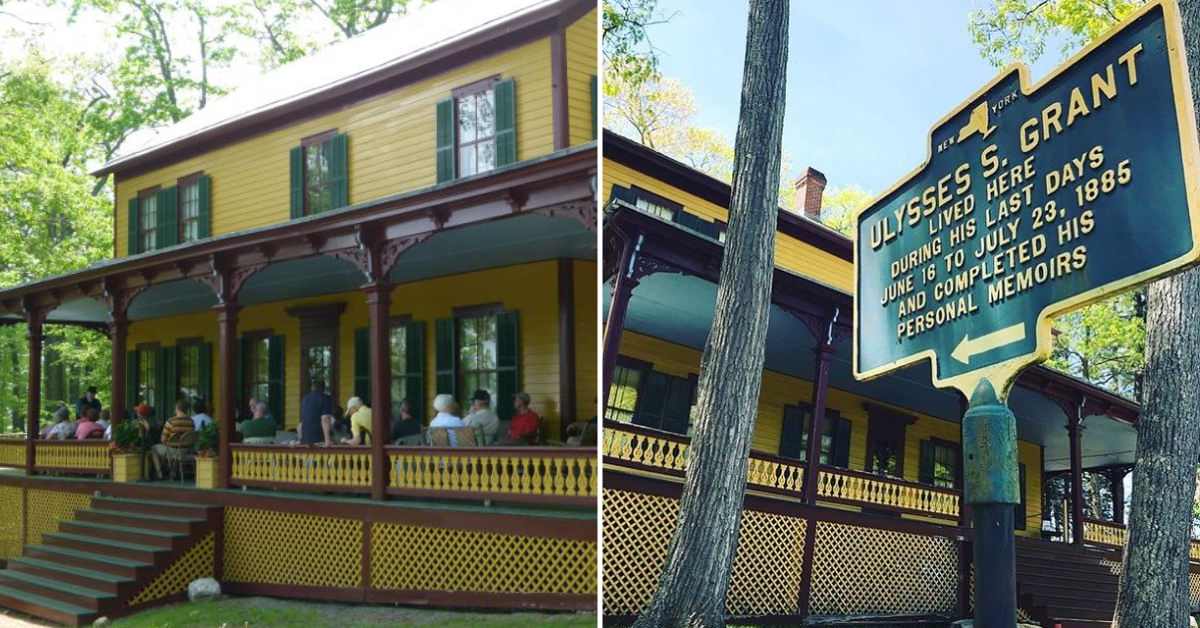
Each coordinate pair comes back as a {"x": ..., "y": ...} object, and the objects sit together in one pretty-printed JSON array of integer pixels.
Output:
[
  {"x": 447, "y": 416},
  {"x": 360, "y": 422}
]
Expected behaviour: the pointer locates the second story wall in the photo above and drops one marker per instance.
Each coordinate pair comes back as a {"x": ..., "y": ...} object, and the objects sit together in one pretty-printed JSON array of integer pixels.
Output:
[
  {"x": 581, "y": 79},
  {"x": 391, "y": 140}
]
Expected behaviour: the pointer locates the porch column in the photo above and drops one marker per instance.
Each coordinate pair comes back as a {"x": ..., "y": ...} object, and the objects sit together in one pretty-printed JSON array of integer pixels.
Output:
[
  {"x": 119, "y": 330},
  {"x": 378, "y": 300},
  {"x": 566, "y": 346},
  {"x": 623, "y": 286},
  {"x": 1074, "y": 432},
  {"x": 35, "y": 318},
  {"x": 820, "y": 390},
  {"x": 227, "y": 320},
  {"x": 1116, "y": 479}
]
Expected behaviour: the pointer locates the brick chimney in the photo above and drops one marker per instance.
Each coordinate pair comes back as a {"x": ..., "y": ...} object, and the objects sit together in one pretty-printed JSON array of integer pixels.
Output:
[{"x": 809, "y": 188}]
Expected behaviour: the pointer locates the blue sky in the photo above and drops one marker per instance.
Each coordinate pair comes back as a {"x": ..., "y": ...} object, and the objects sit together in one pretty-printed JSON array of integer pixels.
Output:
[{"x": 866, "y": 78}]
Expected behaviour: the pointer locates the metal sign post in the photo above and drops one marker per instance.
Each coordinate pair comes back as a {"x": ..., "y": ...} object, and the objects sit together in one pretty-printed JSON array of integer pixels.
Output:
[{"x": 1034, "y": 200}]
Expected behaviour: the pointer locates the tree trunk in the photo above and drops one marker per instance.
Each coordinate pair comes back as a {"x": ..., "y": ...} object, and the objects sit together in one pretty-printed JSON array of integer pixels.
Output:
[
  {"x": 692, "y": 588},
  {"x": 1154, "y": 574}
]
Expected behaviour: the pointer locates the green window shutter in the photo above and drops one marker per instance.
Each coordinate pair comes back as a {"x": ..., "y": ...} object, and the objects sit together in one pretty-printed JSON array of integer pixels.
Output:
[
  {"x": 841, "y": 440},
  {"x": 445, "y": 140},
  {"x": 297, "y": 161},
  {"x": 206, "y": 355},
  {"x": 1022, "y": 511},
  {"x": 168, "y": 387},
  {"x": 414, "y": 382},
  {"x": 447, "y": 377},
  {"x": 339, "y": 170},
  {"x": 362, "y": 364},
  {"x": 240, "y": 399},
  {"x": 168, "y": 218},
  {"x": 204, "y": 183},
  {"x": 595, "y": 108},
  {"x": 506, "y": 122},
  {"x": 678, "y": 407},
  {"x": 791, "y": 437},
  {"x": 135, "y": 242},
  {"x": 275, "y": 392},
  {"x": 652, "y": 396},
  {"x": 925, "y": 475},
  {"x": 131, "y": 383},
  {"x": 508, "y": 358}
]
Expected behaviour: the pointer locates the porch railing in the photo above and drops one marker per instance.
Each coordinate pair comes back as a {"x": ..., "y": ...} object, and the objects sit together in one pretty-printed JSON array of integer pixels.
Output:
[
  {"x": 73, "y": 456},
  {"x": 12, "y": 451},
  {"x": 327, "y": 469},
  {"x": 529, "y": 474},
  {"x": 641, "y": 447},
  {"x": 1108, "y": 533},
  {"x": 864, "y": 488}
]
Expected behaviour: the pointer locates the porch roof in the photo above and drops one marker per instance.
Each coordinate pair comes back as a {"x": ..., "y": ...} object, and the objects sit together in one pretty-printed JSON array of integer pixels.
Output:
[
  {"x": 675, "y": 298},
  {"x": 516, "y": 214}
]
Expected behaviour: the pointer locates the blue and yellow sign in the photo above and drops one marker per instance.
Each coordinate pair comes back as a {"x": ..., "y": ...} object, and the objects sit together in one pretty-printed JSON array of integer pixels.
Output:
[{"x": 1034, "y": 200}]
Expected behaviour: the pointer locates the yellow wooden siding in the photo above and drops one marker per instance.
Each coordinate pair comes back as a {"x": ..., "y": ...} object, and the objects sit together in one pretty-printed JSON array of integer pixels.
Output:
[
  {"x": 391, "y": 145},
  {"x": 581, "y": 67},
  {"x": 529, "y": 289},
  {"x": 585, "y": 279},
  {"x": 779, "y": 390},
  {"x": 792, "y": 254}
]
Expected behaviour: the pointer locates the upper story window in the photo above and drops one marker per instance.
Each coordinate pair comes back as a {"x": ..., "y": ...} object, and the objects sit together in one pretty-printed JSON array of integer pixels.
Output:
[
  {"x": 320, "y": 174},
  {"x": 189, "y": 208},
  {"x": 147, "y": 228},
  {"x": 475, "y": 118},
  {"x": 476, "y": 129},
  {"x": 655, "y": 205}
]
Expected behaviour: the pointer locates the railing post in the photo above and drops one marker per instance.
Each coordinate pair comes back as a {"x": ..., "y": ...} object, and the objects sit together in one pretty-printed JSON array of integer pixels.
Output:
[
  {"x": 227, "y": 320},
  {"x": 35, "y": 317},
  {"x": 820, "y": 391},
  {"x": 623, "y": 284},
  {"x": 378, "y": 300},
  {"x": 1074, "y": 433}
]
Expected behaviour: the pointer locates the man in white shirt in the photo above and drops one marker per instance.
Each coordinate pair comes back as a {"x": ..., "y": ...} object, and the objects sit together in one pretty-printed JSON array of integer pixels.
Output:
[
  {"x": 200, "y": 418},
  {"x": 63, "y": 427},
  {"x": 447, "y": 416},
  {"x": 483, "y": 417}
]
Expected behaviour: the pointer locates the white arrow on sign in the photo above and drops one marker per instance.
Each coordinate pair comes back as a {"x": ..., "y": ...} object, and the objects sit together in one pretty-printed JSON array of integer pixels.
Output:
[{"x": 969, "y": 346}]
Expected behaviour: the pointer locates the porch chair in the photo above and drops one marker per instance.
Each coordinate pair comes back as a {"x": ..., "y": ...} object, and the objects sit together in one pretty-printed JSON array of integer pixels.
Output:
[{"x": 181, "y": 454}]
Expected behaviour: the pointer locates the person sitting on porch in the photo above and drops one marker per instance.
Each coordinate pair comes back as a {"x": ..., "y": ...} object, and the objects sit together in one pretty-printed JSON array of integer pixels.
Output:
[
  {"x": 525, "y": 422},
  {"x": 482, "y": 417},
  {"x": 360, "y": 422},
  {"x": 316, "y": 416},
  {"x": 87, "y": 427},
  {"x": 141, "y": 418},
  {"x": 405, "y": 423},
  {"x": 88, "y": 400},
  {"x": 260, "y": 429},
  {"x": 105, "y": 422},
  {"x": 200, "y": 417},
  {"x": 250, "y": 415},
  {"x": 177, "y": 435},
  {"x": 62, "y": 428},
  {"x": 447, "y": 416}
]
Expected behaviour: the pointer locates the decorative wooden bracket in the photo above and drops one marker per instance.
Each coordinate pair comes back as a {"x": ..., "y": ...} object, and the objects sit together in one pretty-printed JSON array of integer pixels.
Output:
[
  {"x": 582, "y": 211},
  {"x": 827, "y": 328},
  {"x": 645, "y": 265},
  {"x": 226, "y": 283},
  {"x": 393, "y": 249},
  {"x": 35, "y": 314},
  {"x": 118, "y": 299},
  {"x": 374, "y": 256}
]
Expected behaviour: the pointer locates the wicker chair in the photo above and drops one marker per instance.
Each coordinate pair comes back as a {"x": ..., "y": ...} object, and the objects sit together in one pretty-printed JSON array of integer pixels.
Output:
[{"x": 465, "y": 436}]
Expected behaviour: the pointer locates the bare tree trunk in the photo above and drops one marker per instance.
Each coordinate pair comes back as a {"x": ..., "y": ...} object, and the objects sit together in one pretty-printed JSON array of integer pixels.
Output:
[
  {"x": 1154, "y": 574},
  {"x": 692, "y": 588}
]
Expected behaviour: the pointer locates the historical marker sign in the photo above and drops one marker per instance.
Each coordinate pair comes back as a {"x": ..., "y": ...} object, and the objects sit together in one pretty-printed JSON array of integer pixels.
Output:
[{"x": 1034, "y": 200}]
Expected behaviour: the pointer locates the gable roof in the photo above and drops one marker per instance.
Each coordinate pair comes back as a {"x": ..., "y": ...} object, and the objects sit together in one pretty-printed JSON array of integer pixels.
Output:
[{"x": 436, "y": 32}]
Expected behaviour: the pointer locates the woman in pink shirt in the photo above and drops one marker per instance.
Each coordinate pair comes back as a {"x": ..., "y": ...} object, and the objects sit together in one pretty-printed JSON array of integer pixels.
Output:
[{"x": 88, "y": 425}]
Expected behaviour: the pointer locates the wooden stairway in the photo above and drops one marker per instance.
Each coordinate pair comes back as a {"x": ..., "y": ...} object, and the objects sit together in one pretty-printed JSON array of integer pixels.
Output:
[
  {"x": 95, "y": 564},
  {"x": 1060, "y": 584}
]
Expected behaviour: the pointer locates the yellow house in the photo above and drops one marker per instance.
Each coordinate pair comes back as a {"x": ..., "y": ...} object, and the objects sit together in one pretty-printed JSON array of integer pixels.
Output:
[
  {"x": 406, "y": 215},
  {"x": 880, "y": 530}
]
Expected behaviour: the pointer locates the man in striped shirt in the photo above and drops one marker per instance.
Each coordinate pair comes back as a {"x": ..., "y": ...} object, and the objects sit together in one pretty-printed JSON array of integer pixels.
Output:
[{"x": 178, "y": 435}]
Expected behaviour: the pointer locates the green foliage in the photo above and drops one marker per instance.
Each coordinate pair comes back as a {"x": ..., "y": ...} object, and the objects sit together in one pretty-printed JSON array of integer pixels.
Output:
[
  {"x": 128, "y": 437},
  {"x": 840, "y": 205},
  {"x": 1104, "y": 343},
  {"x": 629, "y": 57},
  {"x": 1018, "y": 30},
  {"x": 208, "y": 439}
]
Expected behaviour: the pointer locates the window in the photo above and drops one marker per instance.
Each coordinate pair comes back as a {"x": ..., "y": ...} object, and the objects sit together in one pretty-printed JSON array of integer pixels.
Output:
[
  {"x": 835, "y": 436},
  {"x": 475, "y": 120},
  {"x": 662, "y": 401},
  {"x": 623, "y": 394},
  {"x": 318, "y": 362},
  {"x": 408, "y": 366},
  {"x": 189, "y": 373},
  {"x": 939, "y": 463},
  {"x": 477, "y": 355},
  {"x": 147, "y": 376},
  {"x": 654, "y": 204},
  {"x": 318, "y": 188},
  {"x": 256, "y": 361},
  {"x": 885, "y": 441},
  {"x": 148, "y": 219},
  {"x": 189, "y": 208}
]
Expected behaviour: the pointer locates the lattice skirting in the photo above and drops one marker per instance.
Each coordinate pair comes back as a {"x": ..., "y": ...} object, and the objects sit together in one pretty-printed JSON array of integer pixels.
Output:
[
  {"x": 196, "y": 562},
  {"x": 868, "y": 570},
  {"x": 1194, "y": 589},
  {"x": 12, "y": 521},
  {"x": 47, "y": 508},
  {"x": 637, "y": 532},
  {"x": 271, "y": 547},
  {"x": 445, "y": 559}
]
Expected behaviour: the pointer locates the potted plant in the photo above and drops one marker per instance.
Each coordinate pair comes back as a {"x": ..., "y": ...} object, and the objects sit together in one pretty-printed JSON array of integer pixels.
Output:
[
  {"x": 207, "y": 440},
  {"x": 127, "y": 446}
]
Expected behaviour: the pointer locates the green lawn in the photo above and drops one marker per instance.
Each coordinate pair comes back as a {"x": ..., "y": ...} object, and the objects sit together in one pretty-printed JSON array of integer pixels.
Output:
[{"x": 258, "y": 611}]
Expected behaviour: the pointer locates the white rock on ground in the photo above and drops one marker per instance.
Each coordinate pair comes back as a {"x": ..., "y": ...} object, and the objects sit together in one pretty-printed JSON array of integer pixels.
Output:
[{"x": 203, "y": 589}]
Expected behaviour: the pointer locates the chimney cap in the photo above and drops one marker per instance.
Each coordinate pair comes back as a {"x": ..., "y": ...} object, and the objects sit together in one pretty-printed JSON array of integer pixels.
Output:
[{"x": 811, "y": 173}]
